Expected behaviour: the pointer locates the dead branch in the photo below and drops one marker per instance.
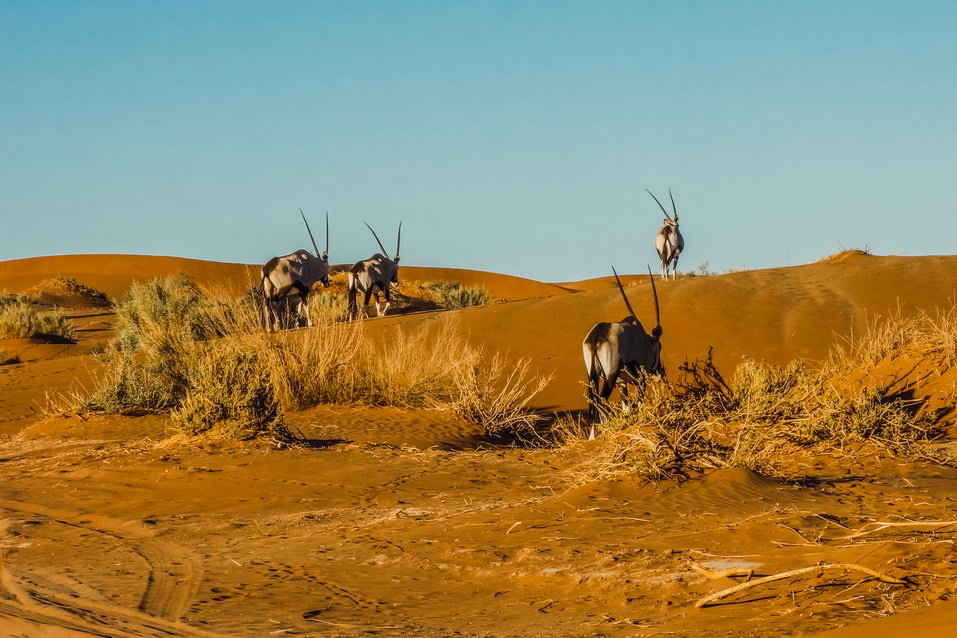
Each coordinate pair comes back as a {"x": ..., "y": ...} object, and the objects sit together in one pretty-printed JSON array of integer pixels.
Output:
[
  {"x": 711, "y": 598},
  {"x": 882, "y": 525}
]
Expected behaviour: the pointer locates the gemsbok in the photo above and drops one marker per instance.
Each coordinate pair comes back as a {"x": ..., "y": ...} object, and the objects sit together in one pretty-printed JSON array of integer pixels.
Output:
[
  {"x": 373, "y": 275},
  {"x": 299, "y": 272},
  {"x": 620, "y": 353},
  {"x": 669, "y": 243}
]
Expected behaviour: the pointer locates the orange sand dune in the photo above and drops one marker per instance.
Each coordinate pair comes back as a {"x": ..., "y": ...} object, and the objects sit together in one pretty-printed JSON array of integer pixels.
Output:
[
  {"x": 396, "y": 521},
  {"x": 774, "y": 315},
  {"x": 113, "y": 274}
]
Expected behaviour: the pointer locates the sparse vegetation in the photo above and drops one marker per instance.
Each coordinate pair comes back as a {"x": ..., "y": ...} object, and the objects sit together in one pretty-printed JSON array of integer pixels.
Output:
[
  {"x": 328, "y": 307},
  {"x": 207, "y": 360},
  {"x": 70, "y": 286},
  {"x": 228, "y": 389},
  {"x": 703, "y": 270},
  {"x": 161, "y": 310},
  {"x": 20, "y": 318},
  {"x": 764, "y": 413},
  {"x": 452, "y": 296}
]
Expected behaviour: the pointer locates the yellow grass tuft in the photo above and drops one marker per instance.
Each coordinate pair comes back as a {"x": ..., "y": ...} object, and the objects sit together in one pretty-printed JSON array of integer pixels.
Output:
[{"x": 20, "y": 319}]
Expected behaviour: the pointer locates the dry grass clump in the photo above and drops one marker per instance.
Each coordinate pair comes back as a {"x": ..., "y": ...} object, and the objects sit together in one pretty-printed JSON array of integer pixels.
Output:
[
  {"x": 431, "y": 367},
  {"x": 452, "y": 296},
  {"x": 328, "y": 307},
  {"x": 230, "y": 390},
  {"x": 764, "y": 412},
  {"x": 20, "y": 319},
  {"x": 207, "y": 360}
]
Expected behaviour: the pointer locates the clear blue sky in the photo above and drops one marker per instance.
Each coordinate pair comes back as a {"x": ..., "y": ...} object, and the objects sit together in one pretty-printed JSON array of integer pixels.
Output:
[{"x": 515, "y": 137}]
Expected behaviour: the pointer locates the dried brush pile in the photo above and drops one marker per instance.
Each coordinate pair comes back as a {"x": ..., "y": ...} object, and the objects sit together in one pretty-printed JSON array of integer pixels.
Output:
[{"x": 763, "y": 414}]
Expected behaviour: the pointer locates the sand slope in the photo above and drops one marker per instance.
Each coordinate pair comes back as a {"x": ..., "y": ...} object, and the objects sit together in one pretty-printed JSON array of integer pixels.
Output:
[
  {"x": 113, "y": 274},
  {"x": 773, "y": 315},
  {"x": 397, "y": 522}
]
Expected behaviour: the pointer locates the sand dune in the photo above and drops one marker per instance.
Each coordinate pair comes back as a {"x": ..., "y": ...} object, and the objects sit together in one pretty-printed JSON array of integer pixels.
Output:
[
  {"x": 113, "y": 274},
  {"x": 772, "y": 315},
  {"x": 398, "y": 522}
]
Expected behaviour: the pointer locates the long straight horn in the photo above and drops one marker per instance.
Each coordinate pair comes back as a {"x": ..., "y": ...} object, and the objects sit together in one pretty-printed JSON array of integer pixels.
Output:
[
  {"x": 673, "y": 207},
  {"x": 381, "y": 247},
  {"x": 314, "y": 247},
  {"x": 654, "y": 291},
  {"x": 398, "y": 241},
  {"x": 623, "y": 295},
  {"x": 659, "y": 204},
  {"x": 326, "y": 254}
]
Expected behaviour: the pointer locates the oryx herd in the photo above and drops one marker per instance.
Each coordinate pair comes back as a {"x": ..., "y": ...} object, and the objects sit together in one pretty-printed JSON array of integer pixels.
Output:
[
  {"x": 297, "y": 273},
  {"x": 618, "y": 354}
]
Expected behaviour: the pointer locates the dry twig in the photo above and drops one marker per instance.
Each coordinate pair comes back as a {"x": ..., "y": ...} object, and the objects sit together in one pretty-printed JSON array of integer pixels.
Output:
[
  {"x": 882, "y": 525},
  {"x": 724, "y": 593}
]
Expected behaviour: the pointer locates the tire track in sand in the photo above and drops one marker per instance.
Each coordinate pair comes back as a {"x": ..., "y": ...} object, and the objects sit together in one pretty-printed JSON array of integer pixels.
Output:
[{"x": 173, "y": 579}]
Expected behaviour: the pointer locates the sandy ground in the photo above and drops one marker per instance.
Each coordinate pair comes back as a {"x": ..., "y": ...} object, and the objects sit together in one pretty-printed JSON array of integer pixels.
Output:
[{"x": 398, "y": 522}]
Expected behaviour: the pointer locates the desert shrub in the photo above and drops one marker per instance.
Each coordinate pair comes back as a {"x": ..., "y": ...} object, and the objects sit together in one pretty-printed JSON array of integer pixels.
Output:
[
  {"x": 765, "y": 411},
  {"x": 452, "y": 295},
  {"x": 158, "y": 325},
  {"x": 133, "y": 384},
  {"x": 20, "y": 319},
  {"x": 208, "y": 361},
  {"x": 494, "y": 396},
  {"x": 229, "y": 389},
  {"x": 161, "y": 310}
]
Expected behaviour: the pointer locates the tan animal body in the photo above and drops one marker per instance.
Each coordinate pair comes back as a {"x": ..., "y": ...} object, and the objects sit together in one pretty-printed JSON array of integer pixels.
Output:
[
  {"x": 372, "y": 276},
  {"x": 295, "y": 273},
  {"x": 622, "y": 354},
  {"x": 668, "y": 242}
]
